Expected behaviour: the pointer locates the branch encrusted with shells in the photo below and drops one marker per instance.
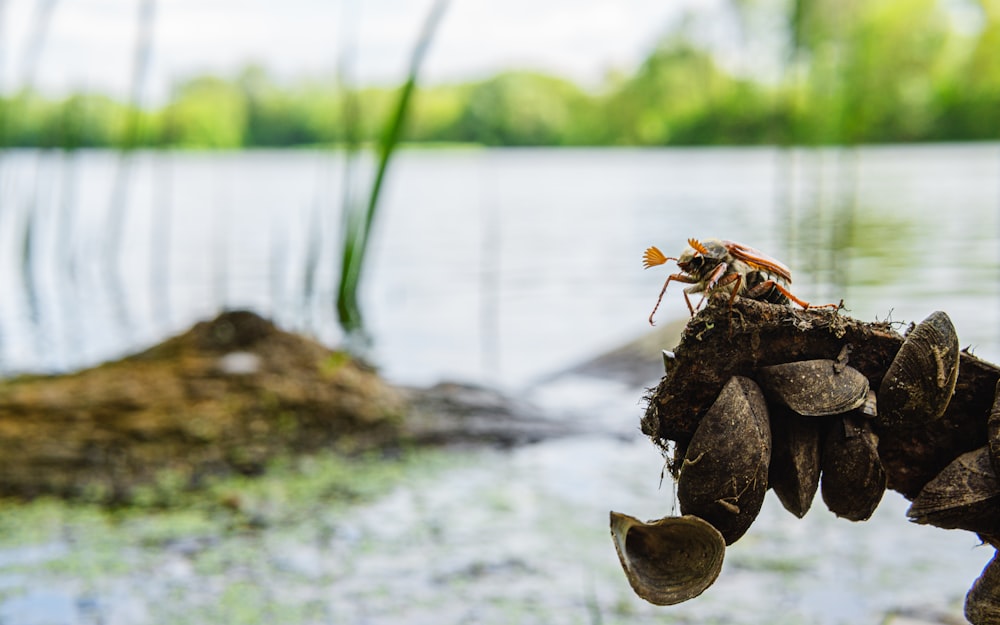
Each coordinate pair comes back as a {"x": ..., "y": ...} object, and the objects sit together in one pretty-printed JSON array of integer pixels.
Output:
[{"x": 801, "y": 427}]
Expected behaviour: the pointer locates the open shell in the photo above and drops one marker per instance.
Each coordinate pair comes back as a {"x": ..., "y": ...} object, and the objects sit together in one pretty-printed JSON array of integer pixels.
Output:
[
  {"x": 854, "y": 479},
  {"x": 669, "y": 560},
  {"x": 964, "y": 495},
  {"x": 723, "y": 478},
  {"x": 982, "y": 603},
  {"x": 795, "y": 459},
  {"x": 815, "y": 388},
  {"x": 921, "y": 379}
]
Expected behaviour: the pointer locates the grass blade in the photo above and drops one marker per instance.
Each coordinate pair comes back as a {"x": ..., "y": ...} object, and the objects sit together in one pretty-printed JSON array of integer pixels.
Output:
[{"x": 358, "y": 224}]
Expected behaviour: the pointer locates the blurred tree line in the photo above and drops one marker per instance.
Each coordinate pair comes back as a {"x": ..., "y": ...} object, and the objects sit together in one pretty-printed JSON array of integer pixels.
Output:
[{"x": 849, "y": 71}]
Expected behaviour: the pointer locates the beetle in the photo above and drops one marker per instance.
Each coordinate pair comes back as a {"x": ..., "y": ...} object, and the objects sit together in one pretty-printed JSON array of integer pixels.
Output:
[{"x": 715, "y": 265}]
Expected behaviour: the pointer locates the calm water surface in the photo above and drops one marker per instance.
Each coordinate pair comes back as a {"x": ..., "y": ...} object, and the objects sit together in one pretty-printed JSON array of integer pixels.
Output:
[
  {"x": 493, "y": 266},
  {"x": 490, "y": 265}
]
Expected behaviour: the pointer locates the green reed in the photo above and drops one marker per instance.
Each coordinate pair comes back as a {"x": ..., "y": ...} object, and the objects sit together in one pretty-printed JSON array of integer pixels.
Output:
[{"x": 358, "y": 219}]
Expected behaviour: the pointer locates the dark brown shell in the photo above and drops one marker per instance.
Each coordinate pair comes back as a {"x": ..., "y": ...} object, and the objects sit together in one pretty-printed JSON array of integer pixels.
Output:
[
  {"x": 993, "y": 430},
  {"x": 869, "y": 408},
  {"x": 921, "y": 379},
  {"x": 982, "y": 603},
  {"x": 964, "y": 495},
  {"x": 723, "y": 478},
  {"x": 815, "y": 388},
  {"x": 853, "y": 479},
  {"x": 795, "y": 459},
  {"x": 669, "y": 560}
]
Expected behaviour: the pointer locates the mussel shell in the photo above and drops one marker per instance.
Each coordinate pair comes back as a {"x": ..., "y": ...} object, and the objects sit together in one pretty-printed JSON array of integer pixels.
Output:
[
  {"x": 870, "y": 406},
  {"x": 669, "y": 560},
  {"x": 993, "y": 431},
  {"x": 723, "y": 478},
  {"x": 921, "y": 379},
  {"x": 982, "y": 603},
  {"x": 964, "y": 495},
  {"x": 795, "y": 459},
  {"x": 853, "y": 479},
  {"x": 815, "y": 388}
]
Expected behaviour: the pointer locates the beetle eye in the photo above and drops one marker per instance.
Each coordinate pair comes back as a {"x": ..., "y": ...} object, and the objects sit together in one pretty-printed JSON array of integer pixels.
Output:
[{"x": 696, "y": 262}]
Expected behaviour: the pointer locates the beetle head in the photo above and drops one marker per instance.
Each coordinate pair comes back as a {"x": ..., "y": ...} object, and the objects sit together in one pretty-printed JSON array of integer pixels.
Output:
[
  {"x": 691, "y": 261},
  {"x": 701, "y": 257}
]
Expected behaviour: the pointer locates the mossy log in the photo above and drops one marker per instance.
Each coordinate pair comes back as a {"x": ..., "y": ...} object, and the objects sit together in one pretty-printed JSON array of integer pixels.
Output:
[{"x": 721, "y": 342}]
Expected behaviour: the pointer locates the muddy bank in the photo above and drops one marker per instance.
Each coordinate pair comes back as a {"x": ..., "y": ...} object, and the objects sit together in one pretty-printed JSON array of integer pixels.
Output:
[{"x": 227, "y": 396}]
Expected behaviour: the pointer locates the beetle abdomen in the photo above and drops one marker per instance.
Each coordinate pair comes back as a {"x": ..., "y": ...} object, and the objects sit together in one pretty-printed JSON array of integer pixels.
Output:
[{"x": 771, "y": 295}]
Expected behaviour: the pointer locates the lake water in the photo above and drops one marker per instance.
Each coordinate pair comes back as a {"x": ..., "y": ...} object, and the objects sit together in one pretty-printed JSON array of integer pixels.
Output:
[
  {"x": 489, "y": 265},
  {"x": 497, "y": 267}
]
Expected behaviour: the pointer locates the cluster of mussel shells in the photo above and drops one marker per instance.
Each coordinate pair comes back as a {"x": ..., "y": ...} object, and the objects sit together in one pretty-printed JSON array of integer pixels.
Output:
[
  {"x": 807, "y": 426},
  {"x": 966, "y": 495}
]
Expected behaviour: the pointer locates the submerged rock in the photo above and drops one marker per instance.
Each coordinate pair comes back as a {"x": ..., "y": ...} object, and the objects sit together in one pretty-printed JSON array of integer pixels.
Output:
[{"x": 454, "y": 413}]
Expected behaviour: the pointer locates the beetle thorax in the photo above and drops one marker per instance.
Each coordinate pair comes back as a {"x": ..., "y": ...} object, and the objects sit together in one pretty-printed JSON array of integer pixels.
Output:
[{"x": 698, "y": 265}]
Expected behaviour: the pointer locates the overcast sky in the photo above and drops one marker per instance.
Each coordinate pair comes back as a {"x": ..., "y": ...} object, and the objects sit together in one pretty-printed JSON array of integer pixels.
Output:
[{"x": 90, "y": 43}]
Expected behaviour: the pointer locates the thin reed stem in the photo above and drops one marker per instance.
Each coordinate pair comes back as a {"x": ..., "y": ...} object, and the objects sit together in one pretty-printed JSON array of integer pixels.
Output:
[
  {"x": 358, "y": 226},
  {"x": 36, "y": 43},
  {"x": 119, "y": 194},
  {"x": 4, "y": 103}
]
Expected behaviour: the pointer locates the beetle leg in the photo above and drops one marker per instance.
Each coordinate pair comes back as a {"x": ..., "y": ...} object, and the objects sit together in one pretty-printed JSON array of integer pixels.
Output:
[
  {"x": 719, "y": 283},
  {"x": 760, "y": 289},
  {"x": 708, "y": 285},
  {"x": 738, "y": 279},
  {"x": 687, "y": 300},
  {"x": 677, "y": 277},
  {"x": 713, "y": 278},
  {"x": 766, "y": 285},
  {"x": 733, "y": 277}
]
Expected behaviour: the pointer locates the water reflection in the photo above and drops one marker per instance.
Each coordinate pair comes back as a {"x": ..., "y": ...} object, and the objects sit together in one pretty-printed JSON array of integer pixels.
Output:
[
  {"x": 839, "y": 238},
  {"x": 899, "y": 230}
]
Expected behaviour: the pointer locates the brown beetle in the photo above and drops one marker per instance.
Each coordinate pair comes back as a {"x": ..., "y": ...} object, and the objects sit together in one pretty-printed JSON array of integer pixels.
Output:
[{"x": 716, "y": 265}]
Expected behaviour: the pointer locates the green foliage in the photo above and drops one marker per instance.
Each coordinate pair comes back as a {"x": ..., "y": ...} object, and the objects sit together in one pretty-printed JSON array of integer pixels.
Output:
[
  {"x": 680, "y": 96},
  {"x": 519, "y": 108},
  {"x": 675, "y": 86},
  {"x": 30, "y": 120},
  {"x": 273, "y": 116},
  {"x": 88, "y": 120},
  {"x": 856, "y": 71},
  {"x": 876, "y": 71},
  {"x": 969, "y": 99},
  {"x": 435, "y": 113},
  {"x": 207, "y": 112}
]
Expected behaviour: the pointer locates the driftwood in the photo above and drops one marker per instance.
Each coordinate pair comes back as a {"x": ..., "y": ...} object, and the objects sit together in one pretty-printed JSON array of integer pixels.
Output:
[{"x": 721, "y": 342}]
